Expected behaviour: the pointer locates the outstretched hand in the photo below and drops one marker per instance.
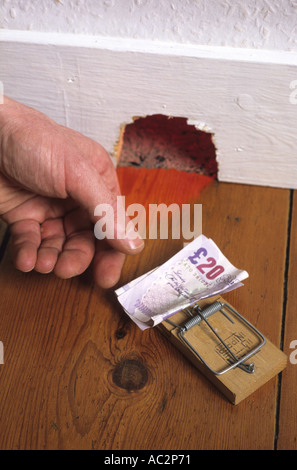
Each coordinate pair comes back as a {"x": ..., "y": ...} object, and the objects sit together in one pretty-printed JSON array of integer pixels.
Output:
[{"x": 51, "y": 180}]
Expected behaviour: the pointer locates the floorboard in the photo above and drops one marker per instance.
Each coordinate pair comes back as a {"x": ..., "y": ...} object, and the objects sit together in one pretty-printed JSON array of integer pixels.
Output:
[
  {"x": 78, "y": 374},
  {"x": 287, "y": 432}
]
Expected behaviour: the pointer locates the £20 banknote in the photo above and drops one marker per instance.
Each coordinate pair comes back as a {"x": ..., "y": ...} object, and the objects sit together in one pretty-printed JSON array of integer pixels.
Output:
[{"x": 198, "y": 271}]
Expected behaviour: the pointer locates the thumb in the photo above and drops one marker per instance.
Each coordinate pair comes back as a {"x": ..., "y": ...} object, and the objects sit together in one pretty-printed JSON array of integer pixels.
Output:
[{"x": 106, "y": 210}]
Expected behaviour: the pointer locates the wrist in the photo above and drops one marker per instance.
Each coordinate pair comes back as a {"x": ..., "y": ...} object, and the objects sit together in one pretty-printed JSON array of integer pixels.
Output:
[
  {"x": 9, "y": 110},
  {"x": 15, "y": 118}
]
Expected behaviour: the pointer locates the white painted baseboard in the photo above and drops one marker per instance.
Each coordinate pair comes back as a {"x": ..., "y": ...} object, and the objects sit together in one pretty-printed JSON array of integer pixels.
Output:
[{"x": 97, "y": 85}]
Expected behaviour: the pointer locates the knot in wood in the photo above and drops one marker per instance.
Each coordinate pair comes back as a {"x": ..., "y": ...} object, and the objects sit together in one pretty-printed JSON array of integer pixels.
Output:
[{"x": 130, "y": 374}]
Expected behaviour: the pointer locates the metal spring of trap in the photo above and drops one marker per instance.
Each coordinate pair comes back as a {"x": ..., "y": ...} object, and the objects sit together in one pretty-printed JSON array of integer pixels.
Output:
[{"x": 198, "y": 315}]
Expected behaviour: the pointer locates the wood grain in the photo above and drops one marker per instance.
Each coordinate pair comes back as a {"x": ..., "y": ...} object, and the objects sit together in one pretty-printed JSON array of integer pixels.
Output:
[{"x": 78, "y": 374}]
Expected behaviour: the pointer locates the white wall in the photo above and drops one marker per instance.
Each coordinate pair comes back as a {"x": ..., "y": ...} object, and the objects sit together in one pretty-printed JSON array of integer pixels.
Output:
[{"x": 260, "y": 24}]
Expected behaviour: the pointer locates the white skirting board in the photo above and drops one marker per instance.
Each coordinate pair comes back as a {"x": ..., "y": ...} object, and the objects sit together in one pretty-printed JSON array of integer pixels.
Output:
[{"x": 246, "y": 98}]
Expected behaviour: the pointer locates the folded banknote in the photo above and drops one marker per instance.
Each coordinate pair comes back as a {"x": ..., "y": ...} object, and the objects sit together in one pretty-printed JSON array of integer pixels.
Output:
[{"x": 198, "y": 271}]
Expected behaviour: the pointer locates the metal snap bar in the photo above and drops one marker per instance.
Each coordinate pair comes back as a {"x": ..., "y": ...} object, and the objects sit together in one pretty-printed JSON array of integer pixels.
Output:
[{"x": 198, "y": 315}]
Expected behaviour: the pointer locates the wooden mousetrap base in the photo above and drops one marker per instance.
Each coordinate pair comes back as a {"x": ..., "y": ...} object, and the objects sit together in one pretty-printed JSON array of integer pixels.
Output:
[{"x": 236, "y": 384}]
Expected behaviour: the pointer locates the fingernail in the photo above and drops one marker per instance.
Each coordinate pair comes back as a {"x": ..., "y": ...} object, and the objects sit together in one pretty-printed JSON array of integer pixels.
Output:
[
  {"x": 134, "y": 240},
  {"x": 136, "y": 244}
]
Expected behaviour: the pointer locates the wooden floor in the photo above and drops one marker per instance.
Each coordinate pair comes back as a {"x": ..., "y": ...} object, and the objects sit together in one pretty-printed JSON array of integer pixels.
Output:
[{"x": 78, "y": 374}]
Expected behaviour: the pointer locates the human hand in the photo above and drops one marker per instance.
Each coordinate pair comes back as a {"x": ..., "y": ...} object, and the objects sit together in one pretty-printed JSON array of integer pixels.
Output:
[{"x": 51, "y": 180}]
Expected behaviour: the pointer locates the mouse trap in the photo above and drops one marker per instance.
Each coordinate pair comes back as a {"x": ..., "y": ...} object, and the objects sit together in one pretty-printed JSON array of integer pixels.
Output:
[{"x": 225, "y": 347}]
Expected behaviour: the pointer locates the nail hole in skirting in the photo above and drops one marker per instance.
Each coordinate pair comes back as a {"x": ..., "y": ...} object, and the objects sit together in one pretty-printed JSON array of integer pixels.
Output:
[{"x": 160, "y": 141}]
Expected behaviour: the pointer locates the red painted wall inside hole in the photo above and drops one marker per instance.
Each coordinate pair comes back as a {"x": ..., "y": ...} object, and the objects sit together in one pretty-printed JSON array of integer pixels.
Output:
[{"x": 160, "y": 141}]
